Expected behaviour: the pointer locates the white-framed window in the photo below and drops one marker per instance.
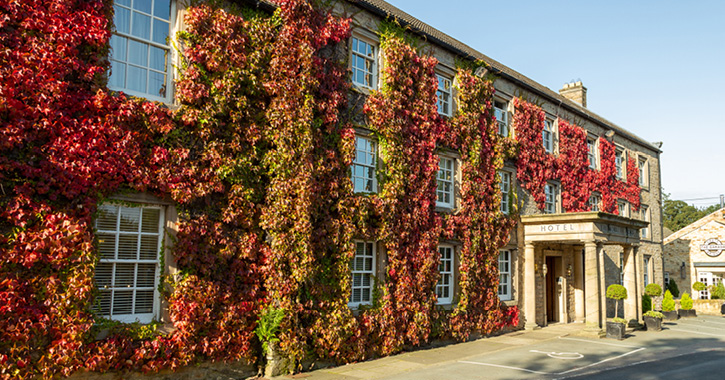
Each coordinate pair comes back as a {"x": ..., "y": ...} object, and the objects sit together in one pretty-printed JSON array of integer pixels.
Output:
[
  {"x": 592, "y": 153},
  {"x": 363, "y": 166},
  {"x": 595, "y": 201},
  {"x": 551, "y": 193},
  {"x": 645, "y": 270},
  {"x": 444, "y": 288},
  {"x": 446, "y": 176},
  {"x": 504, "y": 275},
  {"x": 502, "y": 117},
  {"x": 621, "y": 269},
  {"x": 363, "y": 58},
  {"x": 623, "y": 208},
  {"x": 705, "y": 278},
  {"x": 619, "y": 163},
  {"x": 504, "y": 183},
  {"x": 129, "y": 242},
  {"x": 140, "y": 49},
  {"x": 362, "y": 270},
  {"x": 547, "y": 136},
  {"x": 444, "y": 95},
  {"x": 644, "y": 215},
  {"x": 667, "y": 279},
  {"x": 643, "y": 172}
]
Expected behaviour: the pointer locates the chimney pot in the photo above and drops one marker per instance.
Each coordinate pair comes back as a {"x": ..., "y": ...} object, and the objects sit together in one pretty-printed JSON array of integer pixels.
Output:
[{"x": 576, "y": 92}]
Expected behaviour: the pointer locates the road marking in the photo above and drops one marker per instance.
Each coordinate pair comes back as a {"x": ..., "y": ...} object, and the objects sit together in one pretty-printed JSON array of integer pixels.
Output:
[
  {"x": 507, "y": 367},
  {"x": 604, "y": 343},
  {"x": 697, "y": 332},
  {"x": 560, "y": 355},
  {"x": 703, "y": 327},
  {"x": 601, "y": 361}
]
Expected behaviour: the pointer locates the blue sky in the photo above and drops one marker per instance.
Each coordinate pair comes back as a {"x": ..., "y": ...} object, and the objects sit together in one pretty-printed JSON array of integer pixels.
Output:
[{"x": 655, "y": 68}]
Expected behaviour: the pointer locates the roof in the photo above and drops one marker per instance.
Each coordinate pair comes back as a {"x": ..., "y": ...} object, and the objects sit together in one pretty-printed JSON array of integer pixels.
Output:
[
  {"x": 716, "y": 216},
  {"x": 386, "y": 10}
]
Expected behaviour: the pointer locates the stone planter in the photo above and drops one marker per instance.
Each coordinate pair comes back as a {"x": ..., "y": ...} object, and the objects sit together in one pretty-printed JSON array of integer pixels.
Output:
[
  {"x": 652, "y": 323},
  {"x": 687, "y": 313},
  {"x": 616, "y": 330},
  {"x": 671, "y": 315}
]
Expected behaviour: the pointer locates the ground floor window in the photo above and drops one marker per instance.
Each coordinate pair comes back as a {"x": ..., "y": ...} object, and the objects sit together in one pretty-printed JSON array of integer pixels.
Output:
[
  {"x": 504, "y": 275},
  {"x": 129, "y": 242},
  {"x": 645, "y": 270},
  {"x": 362, "y": 268},
  {"x": 444, "y": 288}
]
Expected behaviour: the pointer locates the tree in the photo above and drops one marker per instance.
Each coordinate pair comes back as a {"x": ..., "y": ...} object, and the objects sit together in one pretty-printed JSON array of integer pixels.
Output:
[{"x": 678, "y": 214}]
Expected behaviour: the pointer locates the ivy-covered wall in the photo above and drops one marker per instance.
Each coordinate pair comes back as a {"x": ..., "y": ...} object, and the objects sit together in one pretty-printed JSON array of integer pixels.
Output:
[{"x": 256, "y": 161}]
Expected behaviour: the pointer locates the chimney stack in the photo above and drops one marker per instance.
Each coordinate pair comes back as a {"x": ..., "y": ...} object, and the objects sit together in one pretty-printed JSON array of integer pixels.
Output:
[{"x": 575, "y": 92}]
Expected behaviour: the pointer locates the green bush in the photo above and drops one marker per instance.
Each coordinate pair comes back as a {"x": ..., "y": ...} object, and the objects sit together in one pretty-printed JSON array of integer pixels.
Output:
[
  {"x": 646, "y": 302},
  {"x": 652, "y": 290},
  {"x": 699, "y": 286},
  {"x": 717, "y": 292},
  {"x": 616, "y": 292},
  {"x": 619, "y": 320},
  {"x": 686, "y": 302},
  {"x": 268, "y": 326},
  {"x": 654, "y": 314},
  {"x": 672, "y": 287},
  {"x": 668, "y": 304}
]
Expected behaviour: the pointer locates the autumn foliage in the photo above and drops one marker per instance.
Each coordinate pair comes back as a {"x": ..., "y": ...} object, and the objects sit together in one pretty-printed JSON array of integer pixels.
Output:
[{"x": 255, "y": 160}]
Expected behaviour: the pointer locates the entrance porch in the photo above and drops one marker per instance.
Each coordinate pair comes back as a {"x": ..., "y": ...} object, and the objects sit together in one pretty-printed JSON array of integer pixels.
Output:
[{"x": 564, "y": 267}]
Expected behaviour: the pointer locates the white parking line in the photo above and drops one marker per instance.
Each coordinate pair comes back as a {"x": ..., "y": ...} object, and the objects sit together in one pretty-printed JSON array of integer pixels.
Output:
[
  {"x": 601, "y": 361},
  {"x": 504, "y": 366}
]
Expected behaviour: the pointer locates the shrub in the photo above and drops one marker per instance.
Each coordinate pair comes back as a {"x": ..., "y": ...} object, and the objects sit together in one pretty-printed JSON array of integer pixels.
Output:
[
  {"x": 686, "y": 302},
  {"x": 672, "y": 287},
  {"x": 646, "y": 302},
  {"x": 668, "y": 304},
  {"x": 654, "y": 314},
  {"x": 652, "y": 290},
  {"x": 616, "y": 292},
  {"x": 268, "y": 326},
  {"x": 698, "y": 286},
  {"x": 717, "y": 292},
  {"x": 619, "y": 320}
]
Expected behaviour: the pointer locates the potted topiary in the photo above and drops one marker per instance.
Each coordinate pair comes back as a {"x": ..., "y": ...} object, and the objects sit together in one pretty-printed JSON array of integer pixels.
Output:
[
  {"x": 686, "y": 309},
  {"x": 652, "y": 318},
  {"x": 617, "y": 326},
  {"x": 698, "y": 287},
  {"x": 668, "y": 307}
]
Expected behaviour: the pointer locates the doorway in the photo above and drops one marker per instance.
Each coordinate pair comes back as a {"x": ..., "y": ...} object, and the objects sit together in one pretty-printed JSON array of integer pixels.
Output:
[{"x": 554, "y": 289}]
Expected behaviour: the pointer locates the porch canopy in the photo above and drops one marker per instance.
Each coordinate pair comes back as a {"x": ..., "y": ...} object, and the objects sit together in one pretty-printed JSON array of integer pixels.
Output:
[{"x": 592, "y": 230}]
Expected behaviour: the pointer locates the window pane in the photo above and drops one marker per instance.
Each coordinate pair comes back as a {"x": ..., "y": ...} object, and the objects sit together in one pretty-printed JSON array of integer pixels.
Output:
[
  {"x": 127, "y": 247},
  {"x": 162, "y": 9},
  {"x": 104, "y": 303},
  {"x": 141, "y": 26},
  {"x": 122, "y": 302},
  {"x": 144, "y": 301},
  {"x": 106, "y": 246},
  {"x": 104, "y": 275},
  {"x": 118, "y": 75},
  {"x": 118, "y": 47},
  {"x": 138, "y": 53},
  {"x": 142, "y": 5},
  {"x": 161, "y": 31},
  {"x": 146, "y": 275},
  {"x": 124, "y": 275},
  {"x": 158, "y": 59},
  {"x": 150, "y": 221},
  {"x": 122, "y": 19},
  {"x": 136, "y": 80},
  {"x": 107, "y": 218},
  {"x": 149, "y": 247}
]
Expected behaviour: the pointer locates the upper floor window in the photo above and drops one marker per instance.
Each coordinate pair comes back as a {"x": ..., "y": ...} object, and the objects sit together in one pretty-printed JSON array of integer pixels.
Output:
[
  {"x": 364, "y": 63},
  {"x": 140, "y": 50},
  {"x": 547, "y": 136},
  {"x": 551, "y": 192},
  {"x": 362, "y": 268},
  {"x": 363, "y": 167},
  {"x": 446, "y": 175},
  {"x": 505, "y": 186},
  {"x": 619, "y": 163},
  {"x": 444, "y": 95},
  {"x": 595, "y": 200},
  {"x": 592, "y": 153},
  {"x": 502, "y": 117},
  {"x": 129, "y": 242},
  {"x": 623, "y": 208},
  {"x": 504, "y": 275},
  {"x": 444, "y": 288},
  {"x": 644, "y": 215},
  {"x": 643, "y": 172}
]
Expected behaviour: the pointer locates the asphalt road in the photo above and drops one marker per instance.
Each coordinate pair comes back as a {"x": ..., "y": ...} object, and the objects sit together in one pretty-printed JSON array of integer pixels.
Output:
[{"x": 687, "y": 349}]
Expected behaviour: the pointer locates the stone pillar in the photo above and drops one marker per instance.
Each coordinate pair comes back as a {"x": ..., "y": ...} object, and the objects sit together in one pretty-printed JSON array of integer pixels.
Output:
[
  {"x": 632, "y": 305},
  {"x": 591, "y": 285},
  {"x": 529, "y": 287},
  {"x": 578, "y": 270},
  {"x": 602, "y": 287}
]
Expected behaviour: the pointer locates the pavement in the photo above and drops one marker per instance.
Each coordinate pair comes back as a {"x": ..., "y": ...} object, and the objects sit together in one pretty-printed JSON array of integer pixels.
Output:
[{"x": 692, "y": 348}]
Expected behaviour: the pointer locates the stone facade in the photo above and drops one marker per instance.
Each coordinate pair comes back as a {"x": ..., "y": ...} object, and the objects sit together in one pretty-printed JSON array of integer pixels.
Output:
[{"x": 685, "y": 259}]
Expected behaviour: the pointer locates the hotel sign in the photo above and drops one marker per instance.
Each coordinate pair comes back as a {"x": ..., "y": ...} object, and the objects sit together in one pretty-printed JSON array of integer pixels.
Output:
[
  {"x": 565, "y": 227},
  {"x": 713, "y": 247}
]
